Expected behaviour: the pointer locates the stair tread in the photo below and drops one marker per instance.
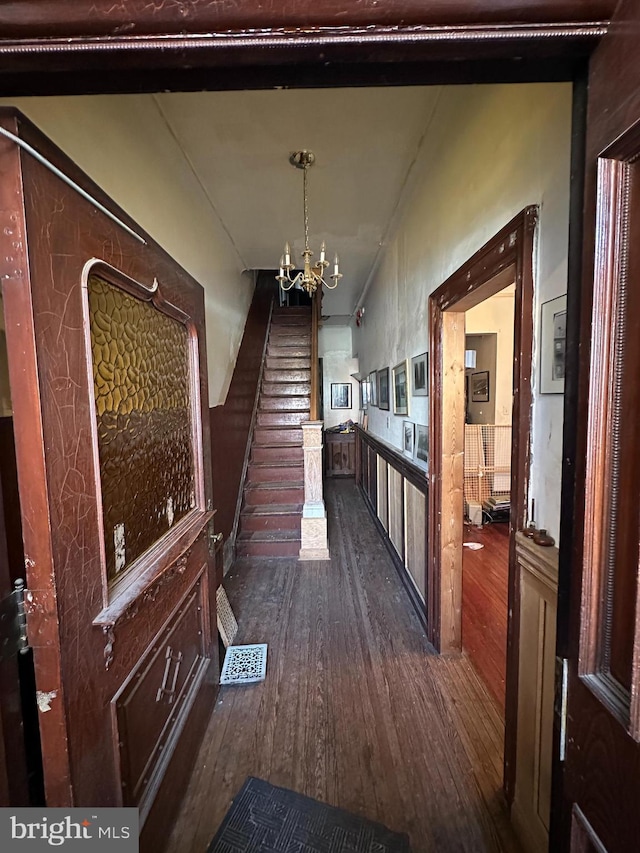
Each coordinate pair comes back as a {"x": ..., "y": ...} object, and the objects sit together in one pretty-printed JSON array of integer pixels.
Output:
[
  {"x": 278, "y": 463},
  {"x": 269, "y": 536},
  {"x": 276, "y": 485},
  {"x": 282, "y": 411},
  {"x": 271, "y": 509}
]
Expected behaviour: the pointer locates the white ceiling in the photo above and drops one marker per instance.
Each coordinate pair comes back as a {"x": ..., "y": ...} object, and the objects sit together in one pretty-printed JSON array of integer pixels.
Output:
[{"x": 365, "y": 142}]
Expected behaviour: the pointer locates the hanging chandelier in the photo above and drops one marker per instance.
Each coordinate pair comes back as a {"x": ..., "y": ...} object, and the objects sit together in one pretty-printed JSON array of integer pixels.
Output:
[{"x": 310, "y": 277}]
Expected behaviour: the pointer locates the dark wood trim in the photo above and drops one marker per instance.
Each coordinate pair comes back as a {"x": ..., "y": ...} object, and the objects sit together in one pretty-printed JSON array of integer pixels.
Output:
[
  {"x": 602, "y": 768},
  {"x": 51, "y": 18},
  {"x": 475, "y": 281},
  {"x": 416, "y": 476},
  {"x": 54, "y": 47}
]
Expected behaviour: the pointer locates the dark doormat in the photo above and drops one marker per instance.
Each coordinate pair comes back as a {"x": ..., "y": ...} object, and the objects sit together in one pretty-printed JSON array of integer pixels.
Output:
[{"x": 266, "y": 819}]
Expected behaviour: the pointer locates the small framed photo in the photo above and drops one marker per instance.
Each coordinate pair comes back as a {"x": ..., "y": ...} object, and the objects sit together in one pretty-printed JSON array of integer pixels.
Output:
[
  {"x": 373, "y": 389},
  {"x": 553, "y": 341},
  {"x": 383, "y": 388},
  {"x": 400, "y": 389},
  {"x": 340, "y": 395},
  {"x": 420, "y": 375},
  {"x": 480, "y": 387},
  {"x": 421, "y": 457},
  {"x": 408, "y": 434}
]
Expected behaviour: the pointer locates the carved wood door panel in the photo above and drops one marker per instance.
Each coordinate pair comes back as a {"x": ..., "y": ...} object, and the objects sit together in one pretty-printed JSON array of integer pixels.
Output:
[
  {"x": 601, "y": 785},
  {"x": 105, "y": 336}
]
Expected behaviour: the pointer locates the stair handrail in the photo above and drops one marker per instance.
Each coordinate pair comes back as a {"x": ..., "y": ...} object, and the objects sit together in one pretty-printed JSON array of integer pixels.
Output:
[
  {"x": 254, "y": 417},
  {"x": 316, "y": 304}
]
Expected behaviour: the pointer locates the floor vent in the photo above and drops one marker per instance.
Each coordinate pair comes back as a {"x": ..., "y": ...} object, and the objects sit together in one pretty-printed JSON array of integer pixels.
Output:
[{"x": 244, "y": 664}]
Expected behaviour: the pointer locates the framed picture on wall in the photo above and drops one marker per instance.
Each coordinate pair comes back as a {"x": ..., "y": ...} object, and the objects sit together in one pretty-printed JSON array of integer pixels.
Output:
[
  {"x": 400, "y": 389},
  {"x": 383, "y": 388},
  {"x": 408, "y": 435},
  {"x": 373, "y": 389},
  {"x": 364, "y": 395},
  {"x": 420, "y": 375},
  {"x": 421, "y": 457},
  {"x": 553, "y": 340},
  {"x": 340, "y": 395},
  {"x": 480, "y": 387}
]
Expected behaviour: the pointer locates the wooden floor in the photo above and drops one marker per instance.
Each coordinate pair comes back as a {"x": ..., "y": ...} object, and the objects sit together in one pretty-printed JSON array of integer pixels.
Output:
[
  {"x": 356, "y": 710},
  {"x": 485, "y": 578}
]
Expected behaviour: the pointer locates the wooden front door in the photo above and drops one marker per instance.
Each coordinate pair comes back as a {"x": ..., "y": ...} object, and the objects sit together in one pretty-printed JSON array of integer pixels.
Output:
[
  {"x": 107, "y": 365},
  {"x": 601, "y": 786}
]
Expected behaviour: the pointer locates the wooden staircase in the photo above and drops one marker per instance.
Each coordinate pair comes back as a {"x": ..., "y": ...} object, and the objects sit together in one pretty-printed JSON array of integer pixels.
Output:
[{"x": 274, "y": 486}]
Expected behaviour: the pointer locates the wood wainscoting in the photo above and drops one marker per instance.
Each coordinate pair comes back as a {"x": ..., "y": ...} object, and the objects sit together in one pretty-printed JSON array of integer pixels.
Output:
[
  {"x": 530, "y": 811},
  {"x": 396, "y": 492}
]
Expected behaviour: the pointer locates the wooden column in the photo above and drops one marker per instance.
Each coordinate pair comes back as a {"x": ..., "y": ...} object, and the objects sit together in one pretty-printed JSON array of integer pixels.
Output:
[{"x": 314, "y": 517}]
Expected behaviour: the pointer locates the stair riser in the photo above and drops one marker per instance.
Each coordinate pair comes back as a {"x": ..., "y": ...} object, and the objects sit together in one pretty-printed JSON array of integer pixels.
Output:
[
  {"x": 289, "y": 352},
  {"x": 286, "y": 389},
  {"x": 292, "y": 311},
  {"x": 268, "y": 549},
  {"x": 282, "y": 418},
  {"x": 276, "y": 454},
  {"x": 299, "y": 321},
  {"x": 279, "y": 404},
  {"x": 282, "y": 377},
  {"x": 261, "y": 497},
  {"x": 288, "y": 474},
  {"x": 256, "y": 523},
  {"x": 291, "y": 436},
  {"x": 276, "y": 363}
]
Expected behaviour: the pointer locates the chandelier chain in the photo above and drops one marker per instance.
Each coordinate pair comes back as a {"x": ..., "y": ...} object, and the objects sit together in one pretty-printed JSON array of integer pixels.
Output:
[{"x": 306, "y": 209}]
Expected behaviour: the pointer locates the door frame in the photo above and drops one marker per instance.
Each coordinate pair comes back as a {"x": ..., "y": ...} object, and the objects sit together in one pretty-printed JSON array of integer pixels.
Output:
[
  {"x": 78, "y": 46},
  {"x": 506, "y": 257}
]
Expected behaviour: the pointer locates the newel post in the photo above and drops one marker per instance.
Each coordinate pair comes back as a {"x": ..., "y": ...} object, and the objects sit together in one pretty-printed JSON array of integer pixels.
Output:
[{"x": 313, "y": 544}]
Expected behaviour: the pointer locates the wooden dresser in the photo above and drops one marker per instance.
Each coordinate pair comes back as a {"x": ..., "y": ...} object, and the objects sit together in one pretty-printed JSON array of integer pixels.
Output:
[{"x": 340, "y": 454}]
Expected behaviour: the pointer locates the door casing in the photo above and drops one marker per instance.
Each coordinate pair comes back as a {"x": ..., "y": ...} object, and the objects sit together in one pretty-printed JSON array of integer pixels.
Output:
[{"x": 507, "y": 257}]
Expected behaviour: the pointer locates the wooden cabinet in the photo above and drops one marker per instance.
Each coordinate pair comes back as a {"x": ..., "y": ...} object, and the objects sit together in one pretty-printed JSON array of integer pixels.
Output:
[{"x": 340, "y": 454}]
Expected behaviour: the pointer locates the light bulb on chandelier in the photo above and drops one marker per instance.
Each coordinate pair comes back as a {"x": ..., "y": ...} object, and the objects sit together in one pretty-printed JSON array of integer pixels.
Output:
[{"x": 310, "y": 278}]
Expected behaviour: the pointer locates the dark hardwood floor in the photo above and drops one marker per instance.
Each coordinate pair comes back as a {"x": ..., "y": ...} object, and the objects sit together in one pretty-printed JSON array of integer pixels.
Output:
[
  {"x": 356, "y": 709},
  {"x": 485, "y": 575}
]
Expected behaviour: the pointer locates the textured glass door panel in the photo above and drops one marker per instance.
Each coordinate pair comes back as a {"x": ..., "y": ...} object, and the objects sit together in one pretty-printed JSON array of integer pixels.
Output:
[{"x": 141, "y": 373}]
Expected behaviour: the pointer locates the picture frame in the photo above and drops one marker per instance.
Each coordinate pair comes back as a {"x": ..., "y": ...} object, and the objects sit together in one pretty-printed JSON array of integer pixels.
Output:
[
  {"x": 553, "y": 340},
  {"x": 421, "y": 447},
  {"x": 401, "y": 389},
  {"x": 408, "y": 438},
  {"x": 373, "y": 389},
  {"x": 340, "y": 395},
  {"x": 420, "y": 375},
  {"x": 383, "y": 388},
  {"x": 480, "y": 387},
  {"x": 364, "y": 394}
]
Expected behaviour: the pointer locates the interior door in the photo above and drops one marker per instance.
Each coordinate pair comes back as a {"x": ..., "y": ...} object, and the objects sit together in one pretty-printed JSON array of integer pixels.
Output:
[
  {"x": 601, "y": 786},
  {"x": 107, "y": 364}
]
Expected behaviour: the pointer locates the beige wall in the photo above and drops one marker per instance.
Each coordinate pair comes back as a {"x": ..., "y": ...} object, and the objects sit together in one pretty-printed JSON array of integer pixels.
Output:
[
  {"x": 124, "y": 144},
  {"x": 334, "y": 348},
  {"x": 491, "y": 151},
  {"x": 496, "y": 315}
]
